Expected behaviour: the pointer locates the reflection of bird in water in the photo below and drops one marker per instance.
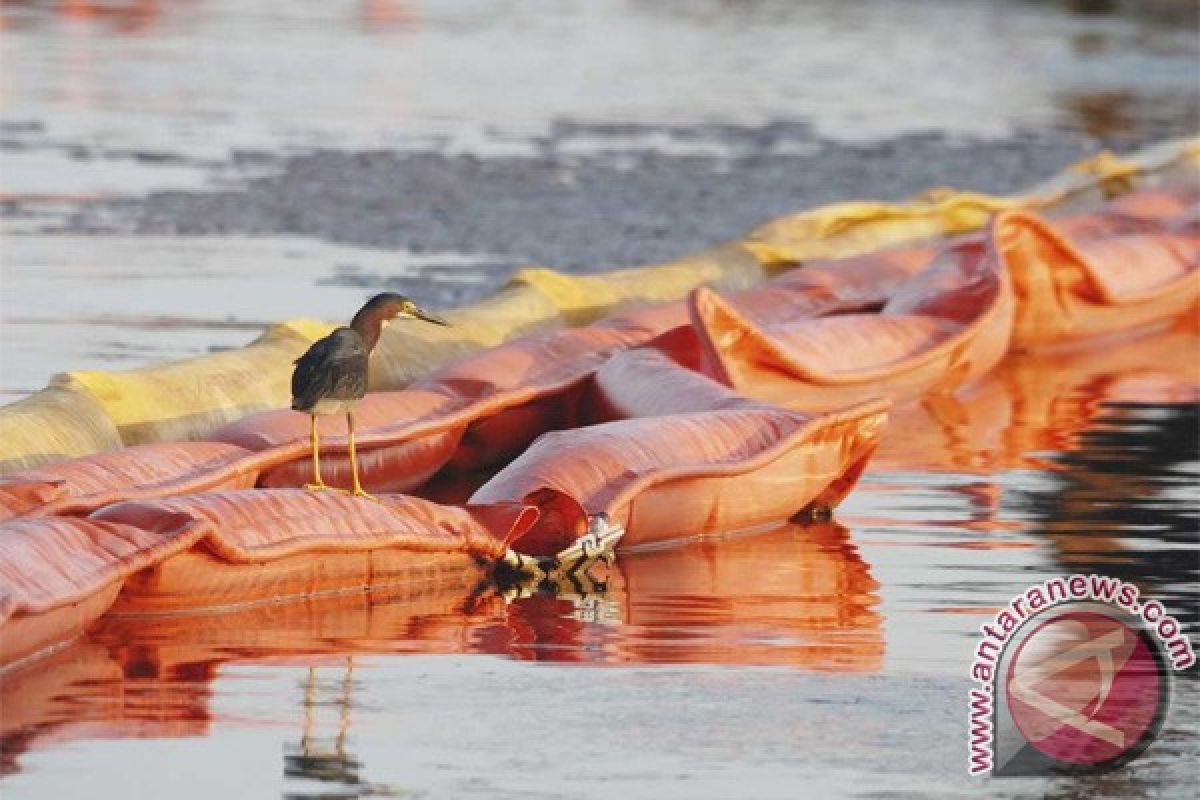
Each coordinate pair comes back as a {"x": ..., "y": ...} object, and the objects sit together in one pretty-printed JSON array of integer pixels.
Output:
[
  {"x": 328, "y": 762},
  {"x": 332, "y": 376},
  {"x": 315, "y": 759}
]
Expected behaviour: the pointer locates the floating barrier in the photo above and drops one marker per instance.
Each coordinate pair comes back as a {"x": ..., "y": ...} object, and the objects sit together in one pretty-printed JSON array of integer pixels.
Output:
[
  {"x": 945, "y": 327},
  {"x": 301, "y": 543},
  {"x": 51, "y": 425},
  {"x": 225, "y": 549},
  {"x": 847, "y": 229},
  {"x": 175, "y": 401},
  {"x": 684, "y": 475},
  {"x": 941, "y": 327},
  {"x": 479, "y": 410},
  {"x": 58, "y": 574},
  {"x": 151, "y": 470},
  {"x": 193, "y": 398},
  {"x": 632, "y": 385},
  {"x": 721, "y": 412},
  {"x": 1090, "y": 286}
]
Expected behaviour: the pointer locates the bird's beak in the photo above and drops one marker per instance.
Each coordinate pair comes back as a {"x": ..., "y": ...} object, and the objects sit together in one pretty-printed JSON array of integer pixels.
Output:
[{"x": 421, "y": 313}]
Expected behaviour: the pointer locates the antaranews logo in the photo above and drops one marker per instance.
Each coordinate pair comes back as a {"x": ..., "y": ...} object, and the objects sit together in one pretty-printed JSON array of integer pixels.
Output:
[{"x": 1074, "y": 676}]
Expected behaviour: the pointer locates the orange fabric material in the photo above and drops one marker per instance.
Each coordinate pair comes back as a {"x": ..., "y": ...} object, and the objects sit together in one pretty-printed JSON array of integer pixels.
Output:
[
  {"x": 942, "y": 328},
  {"x": 48, "y": 564},
  {"x": 478, "y": 412},
  {"x": 498, "y": 439},
  {"x": 631, "y": 385},
  {"x": 1098, "y": 283},
  {"x": 485, "y": 409},
  {"x": 1136, "y": 212},
  {"x": 270, "y": 430},
  {"x": 404, "y": 437},
  {"x": 861, "y": 283},
  {"x": 674, "y": 454},
  {"x": 199, "y": 580},
  {"x": 400, "y": 467},
  {"x": 687, "y": 474},
  {"x": 149, "y": 470},
  {"x": 254, "y": 526},
  {"x": 628, "y": 384},
  {"x": 25, "y": 635}
]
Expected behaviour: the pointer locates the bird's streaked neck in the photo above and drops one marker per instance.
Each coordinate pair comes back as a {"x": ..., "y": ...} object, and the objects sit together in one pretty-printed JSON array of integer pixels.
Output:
[{"x": 368, "y": 323}]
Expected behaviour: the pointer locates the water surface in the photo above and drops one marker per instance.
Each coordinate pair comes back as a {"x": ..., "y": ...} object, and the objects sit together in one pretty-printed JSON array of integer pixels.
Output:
[
  {"x": 829, "y": 658},
  {"x": 168, "y": 84},
  {"x": 119, "y": 98}
]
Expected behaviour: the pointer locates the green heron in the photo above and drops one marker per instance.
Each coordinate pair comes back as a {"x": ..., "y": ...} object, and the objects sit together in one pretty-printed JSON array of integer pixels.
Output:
[{"x": 332, "y": 376}]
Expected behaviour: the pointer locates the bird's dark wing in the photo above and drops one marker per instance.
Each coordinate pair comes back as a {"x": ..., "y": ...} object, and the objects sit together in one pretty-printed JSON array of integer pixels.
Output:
[{"x": 333, "y": 368}]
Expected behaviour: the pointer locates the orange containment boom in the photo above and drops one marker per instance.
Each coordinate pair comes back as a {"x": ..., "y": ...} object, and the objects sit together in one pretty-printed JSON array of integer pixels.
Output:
[
  {"x": 948, "y": 325},
  {"x": 684, "y": 475},
  {"x": 722, "y": 411},
  {"x": 1126, "y": 273},
  {"x": 222, "y": 549}
]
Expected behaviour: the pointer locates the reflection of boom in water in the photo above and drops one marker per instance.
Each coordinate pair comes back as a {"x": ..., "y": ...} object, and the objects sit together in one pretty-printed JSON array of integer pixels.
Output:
[
  {"x": 798, "y": 596},
  {"x": 1038, "y": 402}
]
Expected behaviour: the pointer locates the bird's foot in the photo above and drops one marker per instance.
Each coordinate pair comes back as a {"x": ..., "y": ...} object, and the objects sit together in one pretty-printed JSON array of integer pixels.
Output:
[
  {"x": 324, "y": 487},
  {"x": 363, "y": 493}
]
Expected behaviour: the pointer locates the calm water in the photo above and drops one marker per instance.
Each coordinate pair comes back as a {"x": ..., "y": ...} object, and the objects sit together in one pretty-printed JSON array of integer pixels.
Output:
[
  {"x": 136, "y": 83},
  {"x": 120, "y": 97},
  {"x": 830, "y": 658},
  {"x": 829, "y": 655}
]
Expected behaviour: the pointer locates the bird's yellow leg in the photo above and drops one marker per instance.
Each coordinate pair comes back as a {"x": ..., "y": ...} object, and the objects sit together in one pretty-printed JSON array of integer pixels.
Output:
[
  {"x": 317, "y": 485},
  {"x": 359, "y": 491}
]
